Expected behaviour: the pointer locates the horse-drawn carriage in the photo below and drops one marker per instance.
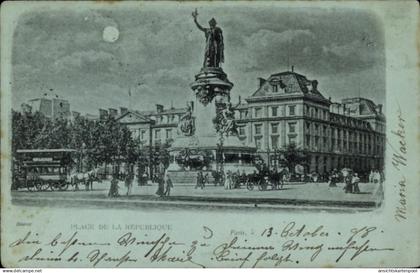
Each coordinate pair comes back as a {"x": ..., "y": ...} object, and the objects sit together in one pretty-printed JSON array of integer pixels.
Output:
[
  {"x": 47, "y": 169},
  {"x": 265, "y": 181},
  {"x": 262, "y": 181},
  {"x": 39, "y": 170}
]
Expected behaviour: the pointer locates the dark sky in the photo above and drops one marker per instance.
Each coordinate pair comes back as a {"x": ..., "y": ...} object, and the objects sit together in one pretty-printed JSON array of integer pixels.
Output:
[{"x": 160, "y": 47}]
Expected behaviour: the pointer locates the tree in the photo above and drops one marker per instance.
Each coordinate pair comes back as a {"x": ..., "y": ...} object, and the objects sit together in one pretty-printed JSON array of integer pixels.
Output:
[
  {"x": 294, "y": 156},
  {"x": 97, "y": 142}
]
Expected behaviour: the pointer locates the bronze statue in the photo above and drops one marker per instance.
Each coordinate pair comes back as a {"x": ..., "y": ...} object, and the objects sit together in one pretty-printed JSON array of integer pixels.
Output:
[
  {"x": 186, "y": 123},
  {"x": 224, "y": 121},
  {"x": 213, "y": 54}
]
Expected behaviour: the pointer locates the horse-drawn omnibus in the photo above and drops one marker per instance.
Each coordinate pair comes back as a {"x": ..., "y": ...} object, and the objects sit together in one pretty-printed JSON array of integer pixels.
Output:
[{"x": 39, "y": 170}]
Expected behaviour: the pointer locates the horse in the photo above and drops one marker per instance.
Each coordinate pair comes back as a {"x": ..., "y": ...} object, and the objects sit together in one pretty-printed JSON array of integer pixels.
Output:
[{"x": 87, "y": 178}]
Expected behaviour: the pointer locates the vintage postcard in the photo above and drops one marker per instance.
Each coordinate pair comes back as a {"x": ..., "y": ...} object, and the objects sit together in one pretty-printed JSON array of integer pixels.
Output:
[{"x": 210, "y": 134}]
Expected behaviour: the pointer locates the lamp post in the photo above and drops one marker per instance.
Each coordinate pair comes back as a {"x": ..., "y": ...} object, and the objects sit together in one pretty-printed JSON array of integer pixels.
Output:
[
  {"x": 220, "y": 146},
  {"x": 82, "y": 155}
]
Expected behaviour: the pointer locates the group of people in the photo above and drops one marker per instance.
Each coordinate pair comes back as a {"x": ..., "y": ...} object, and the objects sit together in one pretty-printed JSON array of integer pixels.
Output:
[
  {"x": 128, "y": 182},
  {"x": 351, "y": 180},
  {"x": 234, "y": 180},
  {"x": 352, "y": 183},
  {"x": 261, "y": 178},
  {"x": 164, "y": 184},
  {"x": 375, "y": 176},
  {"x": 202, "y": 180}
]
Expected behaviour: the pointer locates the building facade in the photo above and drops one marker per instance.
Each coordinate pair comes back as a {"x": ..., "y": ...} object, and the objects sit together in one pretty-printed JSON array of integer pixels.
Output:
[
  {"x": 288, "y": 109},
  {"x": 152, "y": 128},
  {"x": 50, "y": 107}
]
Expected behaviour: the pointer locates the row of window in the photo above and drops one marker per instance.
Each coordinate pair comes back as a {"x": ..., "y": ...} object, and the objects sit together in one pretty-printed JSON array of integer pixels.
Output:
[
  {"x": 259, "y": 113},
  {"x": 274, "y": 128},
  {"x": 142, "y": 134},
  {"x": 341, "y": 145},
  {"x": 161, "y": 119},
  {"x": 273, "y": 111},
  {"x": 275, "y": 141},
  {"x": 351, "y": 122},
  {"x": 360, "y": 142},
  {"x": 314, "y": 112},
  {"x": 315, "y": 130}
]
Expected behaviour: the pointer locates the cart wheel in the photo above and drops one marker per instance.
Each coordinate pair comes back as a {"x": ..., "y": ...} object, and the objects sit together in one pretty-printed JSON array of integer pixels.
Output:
[
  {"x": 262, "y": 187},
  {"x": 250, "y": 186},
  {"x": 30, "y": 185},
  {"x": 64, "y": 185},
  {"x": 59, "y": 186},
  {"x": 41, "y": 185}
]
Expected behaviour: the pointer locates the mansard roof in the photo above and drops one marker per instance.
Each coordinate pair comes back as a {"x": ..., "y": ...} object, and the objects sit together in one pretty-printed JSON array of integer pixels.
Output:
[
  {"x": 163, "y": 112},
  {"x": 359, "y": 106},
  {"x": 288, "y": 84}
]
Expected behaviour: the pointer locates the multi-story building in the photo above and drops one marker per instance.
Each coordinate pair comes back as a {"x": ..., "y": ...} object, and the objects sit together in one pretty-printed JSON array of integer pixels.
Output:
[
  {"x": 288, "y": 109},
  {"x": 51, "y": 107},
  {"x": 152, "y": 128}
]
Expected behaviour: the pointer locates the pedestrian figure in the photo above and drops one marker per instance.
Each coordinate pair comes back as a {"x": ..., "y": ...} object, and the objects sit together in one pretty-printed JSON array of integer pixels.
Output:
[
  {"x": 168, "y": 185},
  {"x": 129, "y": 181},
  {"x": 87, "y": 182},
  {"x": 113, "y": 190},
  {"x": 142, "y": 178},
  {"x": 161, "y": 186},
  {"x": 205, "y": 180},
  {"x": 348, "y": 188},
  {"x": 333, "y": 180},
  {"x": 355, "y": 183},
  {"x": 315, "y": 177},
  {"x": 200, "y": 178},
  {"x": 371, "y": 176},
  {"x": 376, "y": 176},
  {"x": 228, "y": 181}
]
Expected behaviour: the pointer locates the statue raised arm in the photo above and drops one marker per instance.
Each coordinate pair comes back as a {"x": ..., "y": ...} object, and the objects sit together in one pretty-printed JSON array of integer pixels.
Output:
[
  {"x": 213, "y": 54},
  {"x": 194, "y": 15}
]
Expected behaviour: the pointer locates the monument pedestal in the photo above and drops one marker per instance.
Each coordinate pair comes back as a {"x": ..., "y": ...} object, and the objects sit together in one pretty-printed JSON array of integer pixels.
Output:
[{"x": 208, "y": 144}]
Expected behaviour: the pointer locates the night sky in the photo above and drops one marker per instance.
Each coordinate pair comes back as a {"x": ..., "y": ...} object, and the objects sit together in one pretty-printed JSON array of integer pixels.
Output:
[{"x": 157, "y": 50}]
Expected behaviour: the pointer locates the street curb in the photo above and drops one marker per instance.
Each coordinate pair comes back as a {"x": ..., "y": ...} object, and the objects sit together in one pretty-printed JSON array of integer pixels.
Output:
[{"x": 236, "y": 201}]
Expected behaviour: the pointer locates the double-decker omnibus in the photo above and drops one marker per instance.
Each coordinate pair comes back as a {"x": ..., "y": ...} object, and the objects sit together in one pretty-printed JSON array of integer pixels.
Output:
[{"x": 42, "y": 169}]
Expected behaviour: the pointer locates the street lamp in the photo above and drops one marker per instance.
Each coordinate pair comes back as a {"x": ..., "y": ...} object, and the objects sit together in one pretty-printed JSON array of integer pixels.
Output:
[
  {"x": 221, "y": 159},
  {"x": 82, "y": 154}
]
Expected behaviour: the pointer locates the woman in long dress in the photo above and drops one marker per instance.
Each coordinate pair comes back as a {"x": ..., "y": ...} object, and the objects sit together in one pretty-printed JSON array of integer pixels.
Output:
[
  {"x": 228, "y": 180},
  {"x": 161, "y": 185}
]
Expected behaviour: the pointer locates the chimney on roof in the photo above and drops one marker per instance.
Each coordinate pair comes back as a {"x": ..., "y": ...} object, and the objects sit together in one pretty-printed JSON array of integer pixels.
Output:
[
  {"x": 239, "y": 98},
  {"x": 261, "y": 81},
  {"x": 314, "y": 85},
  {"x": 113, "y": 112},
  {"x": 293, "y": 68},
  {"x": 123, "y": 110},
  {"x": 379, "y": 108},
  {"x": 159, "y": 108},
  {"x": 103, "y": 114}
]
